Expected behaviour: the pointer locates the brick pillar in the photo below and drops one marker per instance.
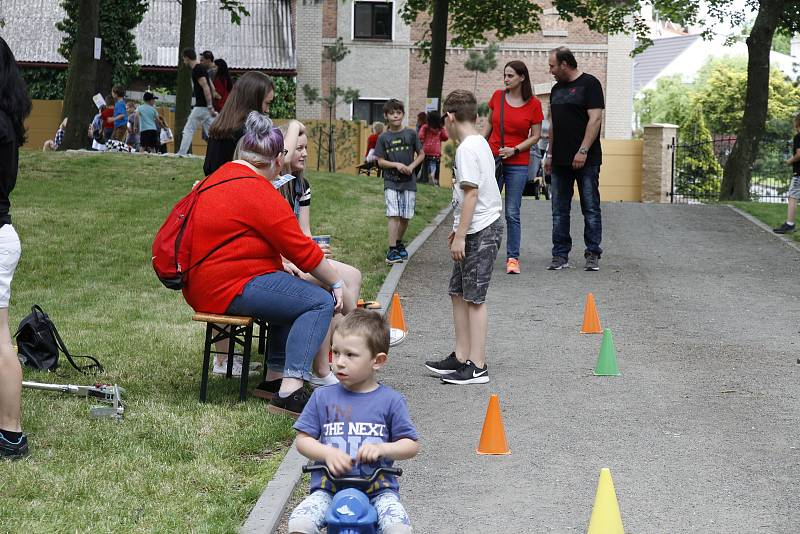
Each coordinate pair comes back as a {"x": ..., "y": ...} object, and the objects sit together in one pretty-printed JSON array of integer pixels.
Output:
[
  {"x": 619, "y": 87},
  {"x": 309, "y": 58},
  {"x": 657, "y": 162}
]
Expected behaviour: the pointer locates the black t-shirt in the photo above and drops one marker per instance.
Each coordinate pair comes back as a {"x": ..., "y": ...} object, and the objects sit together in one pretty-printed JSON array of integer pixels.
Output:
[
  {"x": 795, "y": 146},
  {"x": 199, "y": 72},
  {"x": 220, "y": 151},
  {"x": 569, "y": 103},
  {"x": 9, "y": 165}
]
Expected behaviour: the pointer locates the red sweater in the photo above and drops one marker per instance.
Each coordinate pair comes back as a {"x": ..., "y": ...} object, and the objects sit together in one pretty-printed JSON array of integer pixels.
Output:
[
  {"x": 251, "y": 204},
  {"x": 518, "y": 122}
]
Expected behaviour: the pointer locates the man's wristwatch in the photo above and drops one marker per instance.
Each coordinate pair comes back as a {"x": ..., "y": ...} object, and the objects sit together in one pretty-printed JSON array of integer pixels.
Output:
[
  {"x": 516, "y": 150},
  {"x": 583, "y": 150}
]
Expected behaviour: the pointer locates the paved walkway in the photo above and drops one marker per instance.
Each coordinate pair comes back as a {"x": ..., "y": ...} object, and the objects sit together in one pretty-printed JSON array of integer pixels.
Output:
[{"x": 701, "y": 431}]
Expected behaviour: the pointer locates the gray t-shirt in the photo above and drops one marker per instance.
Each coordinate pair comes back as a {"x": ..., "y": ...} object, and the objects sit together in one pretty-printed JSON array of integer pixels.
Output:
[{"x": 398, "y": 147}]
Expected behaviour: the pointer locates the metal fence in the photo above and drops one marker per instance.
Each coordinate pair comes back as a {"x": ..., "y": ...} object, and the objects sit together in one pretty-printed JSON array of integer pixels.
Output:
[{"x": 697, "y": 170}]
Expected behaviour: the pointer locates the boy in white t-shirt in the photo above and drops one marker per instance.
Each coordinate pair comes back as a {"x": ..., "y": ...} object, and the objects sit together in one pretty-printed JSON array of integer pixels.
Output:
[{"x": 474, "y": 241}]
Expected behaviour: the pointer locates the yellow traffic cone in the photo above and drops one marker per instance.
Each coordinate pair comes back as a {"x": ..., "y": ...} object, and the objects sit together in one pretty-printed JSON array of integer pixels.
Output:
[{"x": 605, "y": 512}]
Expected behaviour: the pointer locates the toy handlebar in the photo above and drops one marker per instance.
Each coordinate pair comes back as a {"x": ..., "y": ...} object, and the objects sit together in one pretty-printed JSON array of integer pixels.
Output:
[{"x": 354, "y": 481}]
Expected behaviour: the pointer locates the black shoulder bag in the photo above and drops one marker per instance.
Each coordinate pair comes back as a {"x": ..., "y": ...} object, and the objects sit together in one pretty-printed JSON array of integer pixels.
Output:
[
  {"x": 498, "y": 161},
  {"x": 38, "y": 344}
]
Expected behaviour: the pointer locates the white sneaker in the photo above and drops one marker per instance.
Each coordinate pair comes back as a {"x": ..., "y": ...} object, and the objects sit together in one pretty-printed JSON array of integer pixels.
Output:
[
  {"x": 221, "y": 368},
  {"x": 317, "y": 381}
]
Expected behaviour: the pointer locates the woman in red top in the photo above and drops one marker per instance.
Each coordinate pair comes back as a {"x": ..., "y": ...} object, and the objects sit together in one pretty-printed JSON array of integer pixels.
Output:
[
  {"x": 432, "y": 135},
  {"x": 223, "y": 85},
  {"x": 372, "y": 142},
  {"x": 247, "y": 277},
  {"x": 522, "y": 119}
]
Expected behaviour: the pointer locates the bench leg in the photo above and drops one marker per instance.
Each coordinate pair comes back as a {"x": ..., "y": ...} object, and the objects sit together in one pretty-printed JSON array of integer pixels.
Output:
[
  {"x": 248, "y": 336},
  {"x": 262, "y": 338},
  {"x": 206, "y": 361},
  {"x": 231, "y": 331}
]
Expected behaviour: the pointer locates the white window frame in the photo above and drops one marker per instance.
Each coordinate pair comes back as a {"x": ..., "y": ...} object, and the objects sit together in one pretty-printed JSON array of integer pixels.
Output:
[{"x": 353, "y": 19}]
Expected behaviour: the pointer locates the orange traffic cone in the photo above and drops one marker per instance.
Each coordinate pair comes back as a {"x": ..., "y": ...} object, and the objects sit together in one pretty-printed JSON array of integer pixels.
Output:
[
  {"x": 591, "y": 321},
  {"x": 493, "y": 436},
  {"x": 397, "y": 323}
]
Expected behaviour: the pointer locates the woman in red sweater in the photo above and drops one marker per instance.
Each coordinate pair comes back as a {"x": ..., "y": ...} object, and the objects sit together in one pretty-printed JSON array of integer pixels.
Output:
[
  {"x": 522, "y": 118},
  {"x": 247, "y": 277}
]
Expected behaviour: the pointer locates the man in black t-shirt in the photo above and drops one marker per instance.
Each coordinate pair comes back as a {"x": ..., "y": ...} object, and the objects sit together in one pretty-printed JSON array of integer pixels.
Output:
[
  {"x": 203, "y": 111},
  {"x": 794, "y": 187},
  {"x": 576, "y": 113}
]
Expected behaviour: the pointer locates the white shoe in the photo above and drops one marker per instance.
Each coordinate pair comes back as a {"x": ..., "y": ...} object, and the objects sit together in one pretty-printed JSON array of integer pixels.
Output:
[
  {"x": 317, "y": 381},
  {"x": 221, "y": 368}
]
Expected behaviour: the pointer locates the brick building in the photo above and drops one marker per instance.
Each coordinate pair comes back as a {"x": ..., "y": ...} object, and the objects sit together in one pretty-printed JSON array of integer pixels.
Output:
[{"x": 383, "y": 62}]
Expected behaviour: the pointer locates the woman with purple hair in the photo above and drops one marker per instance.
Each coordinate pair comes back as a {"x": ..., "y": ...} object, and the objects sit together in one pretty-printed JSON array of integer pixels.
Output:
[{"x": 246, "y": 276}]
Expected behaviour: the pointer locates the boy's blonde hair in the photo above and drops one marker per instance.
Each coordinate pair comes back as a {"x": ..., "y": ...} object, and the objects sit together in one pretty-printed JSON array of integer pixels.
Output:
[
  {"x": 462, "y": 104},
  {"x": 377, "y": 127},
  {"x": 370, "y": 326}
]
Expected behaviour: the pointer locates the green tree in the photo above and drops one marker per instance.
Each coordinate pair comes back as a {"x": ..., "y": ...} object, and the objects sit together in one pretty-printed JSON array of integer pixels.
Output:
[
  {"x": 469, "y": 22},
  {"x": 700, "y": 171},
  {"x": 483, "y": 61},
  {"x": 118, "y": 18},
  {"x": 669, "y": 102},
  {"x": 333, "y": 54}
]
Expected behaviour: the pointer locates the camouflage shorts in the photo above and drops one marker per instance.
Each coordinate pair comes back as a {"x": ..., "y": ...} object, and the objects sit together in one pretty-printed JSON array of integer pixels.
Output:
[{"x": 471, "y": 277}]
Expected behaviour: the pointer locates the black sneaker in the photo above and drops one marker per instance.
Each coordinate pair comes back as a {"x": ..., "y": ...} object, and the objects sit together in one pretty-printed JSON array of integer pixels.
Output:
[
  {"x": 13, "y": 450},
  {"x": 291, "y": 405},
  {"x": 785, "y": 228},
  {"x": 401, "y": 249},
  {"x": 558, "y": 263},
  {"x": 468, "y": 373},
  {"x": 446, "y": 366},
  {"x": 592, "y": 262},
  {"x": 393, "y": 256},
  {"x": 267, "y": 389}
]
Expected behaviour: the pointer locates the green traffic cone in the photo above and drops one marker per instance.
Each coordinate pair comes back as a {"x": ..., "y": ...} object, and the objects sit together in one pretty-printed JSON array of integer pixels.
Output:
[{"x": 607, "y": 361}]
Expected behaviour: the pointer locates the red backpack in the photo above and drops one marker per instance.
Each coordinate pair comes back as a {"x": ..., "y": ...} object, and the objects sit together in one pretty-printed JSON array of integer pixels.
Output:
[{"x": 171, "y": 246}]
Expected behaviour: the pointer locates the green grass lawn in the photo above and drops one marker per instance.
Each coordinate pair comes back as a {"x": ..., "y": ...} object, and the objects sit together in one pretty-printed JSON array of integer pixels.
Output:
[
  {"x": 771, "y": 214},
  {"x": 172, "y": 465}
]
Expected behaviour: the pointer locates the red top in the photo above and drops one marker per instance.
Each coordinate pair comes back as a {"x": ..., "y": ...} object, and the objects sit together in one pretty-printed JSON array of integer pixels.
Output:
[
  {"x": 223, "y": 91},
  {"x": 372, "y": 142},
  {"x": 223, "y": 211},
  {"x": 432, "y": 140},
  {"x": 518, "y": 122},
  {"x": 105, "y": 115}
]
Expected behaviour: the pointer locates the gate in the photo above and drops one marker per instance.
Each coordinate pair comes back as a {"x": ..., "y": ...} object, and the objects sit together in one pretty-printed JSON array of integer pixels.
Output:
[{"x": 697, "y": 170}]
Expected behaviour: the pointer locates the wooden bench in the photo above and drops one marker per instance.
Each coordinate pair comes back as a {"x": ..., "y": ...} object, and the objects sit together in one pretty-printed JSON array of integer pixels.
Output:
[{"x": 238, "y": 331}]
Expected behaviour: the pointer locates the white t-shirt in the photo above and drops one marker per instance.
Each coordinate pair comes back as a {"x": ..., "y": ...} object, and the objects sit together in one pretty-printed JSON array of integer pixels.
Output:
[{"x": 474, "y": 167}]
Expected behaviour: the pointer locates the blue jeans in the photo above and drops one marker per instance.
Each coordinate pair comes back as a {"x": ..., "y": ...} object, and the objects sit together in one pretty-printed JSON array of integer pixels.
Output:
[
  {"x": 513, "y": 178},
  {"x": 562, "y": 185},
  {"x": 298, "y": 313}
]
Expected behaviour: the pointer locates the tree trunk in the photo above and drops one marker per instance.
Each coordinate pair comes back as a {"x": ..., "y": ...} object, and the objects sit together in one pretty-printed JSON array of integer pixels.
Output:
[
  {"x": 78, "y": 105},
  {"x": 104, "y": 77},
  {"x": 183, "y": 98},
  {"x": 738, "y": 168},
  {"x": 438, "y": 49}
]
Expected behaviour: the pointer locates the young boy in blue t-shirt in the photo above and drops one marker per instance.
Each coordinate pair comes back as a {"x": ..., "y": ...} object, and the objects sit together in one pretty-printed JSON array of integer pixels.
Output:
[{"x": 356, "y": 426}]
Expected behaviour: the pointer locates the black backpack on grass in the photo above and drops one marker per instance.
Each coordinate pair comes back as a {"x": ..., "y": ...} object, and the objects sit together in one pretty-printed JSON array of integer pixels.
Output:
[{"x": 38, "y": 344}]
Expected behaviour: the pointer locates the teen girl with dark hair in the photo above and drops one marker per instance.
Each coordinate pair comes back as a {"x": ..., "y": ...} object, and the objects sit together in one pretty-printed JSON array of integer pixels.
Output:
[
  {"x": 254, "y": 91},
  {"x": 522, "y": 118},
  {"x": 15, "y": 105},
  {"x": 223, "y": 85}
]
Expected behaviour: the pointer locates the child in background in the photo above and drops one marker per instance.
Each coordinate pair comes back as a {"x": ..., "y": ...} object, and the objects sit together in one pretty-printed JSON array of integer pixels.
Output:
[
  {"x": 356, "y": 426},
  {"x": 133, "y": 126},
  {"x": 120, "y": 114},
  {"x": 107, "y": 118},
  {"x": 148, "y": 122},
  {"x": 432, "y": 135},
  {"x": 474, "y": 241},
  {"x": 794, "y": 187},
  {"x": 396, "y": 151},
  {"x": 55, "y": 142}
]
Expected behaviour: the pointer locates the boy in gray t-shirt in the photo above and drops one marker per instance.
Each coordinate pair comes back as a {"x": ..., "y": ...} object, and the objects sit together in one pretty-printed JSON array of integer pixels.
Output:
[{"x": 399, "y": 152}]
